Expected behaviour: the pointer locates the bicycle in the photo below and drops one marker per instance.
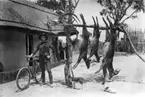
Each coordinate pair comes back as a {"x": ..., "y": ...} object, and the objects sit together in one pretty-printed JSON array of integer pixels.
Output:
[{"x": 25, "y": 74}]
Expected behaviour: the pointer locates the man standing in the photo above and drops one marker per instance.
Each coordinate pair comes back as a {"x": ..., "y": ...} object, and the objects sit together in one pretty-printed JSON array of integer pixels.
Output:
[{"x": 44, "y": 57}]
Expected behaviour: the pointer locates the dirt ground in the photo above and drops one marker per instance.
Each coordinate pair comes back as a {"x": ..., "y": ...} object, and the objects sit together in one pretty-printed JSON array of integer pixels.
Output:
[{"x": 130, "y": 82}]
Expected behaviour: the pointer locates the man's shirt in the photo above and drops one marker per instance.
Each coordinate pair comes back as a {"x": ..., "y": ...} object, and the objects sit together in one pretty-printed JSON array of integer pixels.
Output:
[{"x": 43, "y": 48}]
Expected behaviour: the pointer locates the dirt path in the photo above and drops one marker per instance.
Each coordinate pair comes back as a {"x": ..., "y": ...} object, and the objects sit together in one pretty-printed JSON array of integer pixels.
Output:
[{"x": 129, "y": 83}]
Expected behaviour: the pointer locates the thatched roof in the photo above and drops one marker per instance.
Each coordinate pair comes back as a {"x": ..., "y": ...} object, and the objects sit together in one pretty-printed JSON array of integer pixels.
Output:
[{"x": 23, "y": 14}]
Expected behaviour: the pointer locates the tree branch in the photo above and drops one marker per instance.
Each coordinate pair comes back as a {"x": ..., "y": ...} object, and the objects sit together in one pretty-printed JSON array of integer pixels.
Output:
[
  {"x": 111, "y": 16},
  {"x": 117, "y": 9},
  {"x": 129, "y": 16},
  {"x": 76, "y": 3},
  {"x": 133, "y": 46},
  {"x": 125, "y": 11}
]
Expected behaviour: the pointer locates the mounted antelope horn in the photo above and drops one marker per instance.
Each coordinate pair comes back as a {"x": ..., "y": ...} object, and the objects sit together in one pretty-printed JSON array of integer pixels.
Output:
[
  {"x": 74, "y": 20},
  {"x": 105, "y": 22},
  {"x": 109, "y": 21},
  {"x": 83, "y": 19},
  {"x": 94, "y": 20},
  {"x": 97, "y": 21}
]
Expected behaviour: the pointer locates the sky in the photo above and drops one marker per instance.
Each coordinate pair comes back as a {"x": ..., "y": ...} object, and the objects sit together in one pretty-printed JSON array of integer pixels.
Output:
[{"x": 90, "y": 8}]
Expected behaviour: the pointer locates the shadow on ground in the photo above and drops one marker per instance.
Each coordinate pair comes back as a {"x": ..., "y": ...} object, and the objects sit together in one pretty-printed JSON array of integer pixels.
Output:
[{"x": 99, "y": 78}]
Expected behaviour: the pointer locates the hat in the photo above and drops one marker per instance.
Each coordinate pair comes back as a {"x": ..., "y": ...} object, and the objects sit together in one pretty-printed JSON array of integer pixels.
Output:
[{"x": 46, "y": 37}]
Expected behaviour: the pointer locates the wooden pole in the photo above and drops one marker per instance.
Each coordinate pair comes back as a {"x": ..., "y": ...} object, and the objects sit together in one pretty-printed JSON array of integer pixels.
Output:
[
  {"x": 68, "y": 68},
  {"x": 88, "y": 26}
]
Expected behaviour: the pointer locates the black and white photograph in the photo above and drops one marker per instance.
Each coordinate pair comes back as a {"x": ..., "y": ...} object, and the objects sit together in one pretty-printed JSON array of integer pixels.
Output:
[{"x": 72, "y": 48}]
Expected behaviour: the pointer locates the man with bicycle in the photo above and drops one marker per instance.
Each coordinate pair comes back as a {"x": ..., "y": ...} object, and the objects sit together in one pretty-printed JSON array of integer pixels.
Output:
[{"x": 44, "y": 57}]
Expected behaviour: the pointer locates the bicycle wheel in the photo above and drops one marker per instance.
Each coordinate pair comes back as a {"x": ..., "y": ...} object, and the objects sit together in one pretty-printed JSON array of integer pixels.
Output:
[
  {"x": 23, "y": 78},
  {"x": 37, "y": 73}
]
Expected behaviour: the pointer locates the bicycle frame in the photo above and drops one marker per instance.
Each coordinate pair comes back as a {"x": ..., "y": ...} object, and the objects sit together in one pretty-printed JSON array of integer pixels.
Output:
[
  {"x": 31, "y": 71},
  {"x": 33, "y": 67}
]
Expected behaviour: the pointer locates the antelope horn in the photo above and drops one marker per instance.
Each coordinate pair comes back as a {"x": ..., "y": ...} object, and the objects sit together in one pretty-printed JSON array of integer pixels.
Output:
[
  {"x": 83, "y": 19},
  {"x": 109, "y": 21},
  {"x": 94, "y": 20},
  {"x": 78, "y": 21},
  {"x": 74, "y": 19},
  {"x": 105, "y": 22},
  {"x": 97, "y": 21}
]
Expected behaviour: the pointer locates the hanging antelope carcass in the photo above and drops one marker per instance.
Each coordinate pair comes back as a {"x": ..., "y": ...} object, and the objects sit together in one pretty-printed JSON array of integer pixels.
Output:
[
  {"x": 108, "y": 52},
  {"x": 95, "y": 41},
  {"x": 84, "y": 45}
]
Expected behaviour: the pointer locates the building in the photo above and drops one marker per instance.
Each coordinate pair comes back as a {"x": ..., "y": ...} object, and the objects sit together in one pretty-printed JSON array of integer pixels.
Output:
[{"x": 20, "y": 24}]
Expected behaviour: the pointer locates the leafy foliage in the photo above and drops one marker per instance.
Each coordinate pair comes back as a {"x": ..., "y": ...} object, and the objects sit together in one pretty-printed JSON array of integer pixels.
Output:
[
  {"x": 52, "y": 4},
  {"x": 117, "y": 9},
  {"x": 64, "y": 8}
]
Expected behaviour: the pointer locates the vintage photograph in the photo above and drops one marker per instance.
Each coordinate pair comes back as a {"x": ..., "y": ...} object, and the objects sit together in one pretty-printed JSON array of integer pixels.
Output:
[{"x": 72, "y": 48}]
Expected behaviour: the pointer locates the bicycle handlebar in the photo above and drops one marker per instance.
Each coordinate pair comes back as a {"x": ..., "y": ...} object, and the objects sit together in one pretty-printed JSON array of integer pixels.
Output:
[{"x": 32, "y": 59}]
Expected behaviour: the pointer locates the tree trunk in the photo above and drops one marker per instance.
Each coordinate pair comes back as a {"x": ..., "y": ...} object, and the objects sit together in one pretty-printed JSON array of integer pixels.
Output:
[
  {"x": 68, "y": 68},
  {"x": 133, "y": 47}
]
